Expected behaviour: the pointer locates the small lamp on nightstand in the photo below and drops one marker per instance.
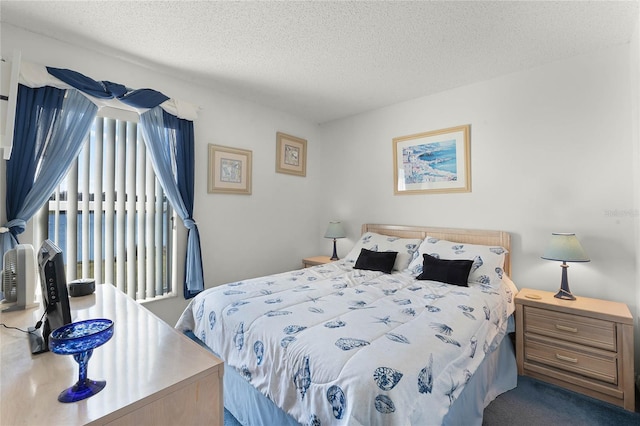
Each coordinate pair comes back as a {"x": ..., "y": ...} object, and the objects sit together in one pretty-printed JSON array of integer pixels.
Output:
[
  {"x": 335, "y": 231},
  {"x": 565, "y": 248}
]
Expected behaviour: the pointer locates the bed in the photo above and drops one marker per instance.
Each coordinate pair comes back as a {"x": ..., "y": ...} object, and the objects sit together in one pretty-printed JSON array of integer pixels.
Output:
[{"x": 393, "y": 334}]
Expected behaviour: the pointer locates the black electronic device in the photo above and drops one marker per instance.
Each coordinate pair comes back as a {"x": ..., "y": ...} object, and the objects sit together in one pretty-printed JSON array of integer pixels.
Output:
[
  {"x": 55, "y": 298},
  {"x": 82, "y": 287}
]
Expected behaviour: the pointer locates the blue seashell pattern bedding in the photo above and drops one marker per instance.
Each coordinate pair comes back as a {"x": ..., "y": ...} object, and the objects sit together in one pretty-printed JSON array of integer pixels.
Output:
[{"x": 336, "y": 345}]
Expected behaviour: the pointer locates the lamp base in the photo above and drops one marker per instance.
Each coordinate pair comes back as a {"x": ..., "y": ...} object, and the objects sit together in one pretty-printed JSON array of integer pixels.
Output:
[
  {"x": 565, "y": 295},
  {"x": 564, "y": 292},
  {"x": 334, "y": 256}
]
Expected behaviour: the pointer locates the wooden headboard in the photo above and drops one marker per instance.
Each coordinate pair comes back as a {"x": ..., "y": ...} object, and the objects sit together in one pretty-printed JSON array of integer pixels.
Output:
[{"x": 468, "y": 236}]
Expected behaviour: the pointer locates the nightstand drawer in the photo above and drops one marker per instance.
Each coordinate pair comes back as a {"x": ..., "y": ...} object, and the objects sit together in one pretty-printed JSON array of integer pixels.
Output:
[
  {"x": 588, "y": 362},
  {"x": 573, "y": 328}
]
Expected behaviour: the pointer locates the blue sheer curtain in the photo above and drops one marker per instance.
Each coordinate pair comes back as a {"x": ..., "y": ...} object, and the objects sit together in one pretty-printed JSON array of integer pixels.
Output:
[
  {"x": 170, "y": 144},
  {"x": 50, "y": 128}
]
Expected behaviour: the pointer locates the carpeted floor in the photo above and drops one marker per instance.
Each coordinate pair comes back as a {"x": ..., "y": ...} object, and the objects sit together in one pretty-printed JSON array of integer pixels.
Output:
[{"x": 535, "y": 403}]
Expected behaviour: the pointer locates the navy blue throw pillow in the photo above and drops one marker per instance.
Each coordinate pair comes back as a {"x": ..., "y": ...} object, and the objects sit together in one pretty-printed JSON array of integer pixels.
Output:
[
  {"x": 455, "y": 271},
  {"x": 376, "y": 260}
]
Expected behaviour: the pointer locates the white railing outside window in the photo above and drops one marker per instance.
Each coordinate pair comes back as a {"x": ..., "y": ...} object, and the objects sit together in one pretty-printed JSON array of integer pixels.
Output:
[{"x": 110, "y": 216}]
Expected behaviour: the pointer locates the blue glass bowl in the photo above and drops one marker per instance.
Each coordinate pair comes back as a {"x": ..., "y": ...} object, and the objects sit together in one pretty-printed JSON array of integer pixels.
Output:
[{"x": 80, "y": 339}]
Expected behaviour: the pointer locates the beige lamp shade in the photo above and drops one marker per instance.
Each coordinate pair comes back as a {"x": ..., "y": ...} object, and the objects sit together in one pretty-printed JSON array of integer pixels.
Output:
[
  {"x": 335, "y": 230},
  {"x": 565, "y": 247}
]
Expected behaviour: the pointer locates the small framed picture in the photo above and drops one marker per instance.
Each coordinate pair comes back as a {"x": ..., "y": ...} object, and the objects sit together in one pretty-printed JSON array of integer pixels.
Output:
[
  {"x": 432, "y": 162},
  {"x": 291, "y": 155},
  {"x": 229, "y": 170}
]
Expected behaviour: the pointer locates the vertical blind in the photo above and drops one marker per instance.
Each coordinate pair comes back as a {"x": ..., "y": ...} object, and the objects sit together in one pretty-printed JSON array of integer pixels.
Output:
[{"x": 110, "y": 215}]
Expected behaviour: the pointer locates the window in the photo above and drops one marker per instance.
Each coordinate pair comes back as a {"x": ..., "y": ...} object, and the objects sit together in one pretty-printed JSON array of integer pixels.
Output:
[{"x": 110, "y": 215}]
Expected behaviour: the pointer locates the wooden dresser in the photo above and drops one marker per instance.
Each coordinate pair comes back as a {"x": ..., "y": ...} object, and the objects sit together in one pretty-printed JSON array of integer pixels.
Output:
[
  {"x": 155, "y": 375},
  {"x": 585, "y": 345}
]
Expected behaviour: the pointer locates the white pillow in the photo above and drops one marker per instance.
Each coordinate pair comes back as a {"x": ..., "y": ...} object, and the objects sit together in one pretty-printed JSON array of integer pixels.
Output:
[
  {"x": 488, "y": 261},
  {"x": 406, "y": 247}
]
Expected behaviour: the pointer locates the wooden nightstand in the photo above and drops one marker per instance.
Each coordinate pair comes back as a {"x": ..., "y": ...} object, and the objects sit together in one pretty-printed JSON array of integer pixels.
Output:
[
  {"x": 315, "y": 260},
  {"x": 585, "y": 345}
]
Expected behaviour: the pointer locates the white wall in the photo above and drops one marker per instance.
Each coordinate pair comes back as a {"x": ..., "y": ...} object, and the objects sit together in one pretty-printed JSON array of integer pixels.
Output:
[
  {"x": 242, "y": 236},
  {"x": 551, "y": 149}
]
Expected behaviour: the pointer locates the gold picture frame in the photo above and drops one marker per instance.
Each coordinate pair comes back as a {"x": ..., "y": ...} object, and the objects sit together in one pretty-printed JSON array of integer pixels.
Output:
[
  {"x": 432, "y": 162},
  {"x": 229, "y": 170},
  {"x": 291, "y": 155}
]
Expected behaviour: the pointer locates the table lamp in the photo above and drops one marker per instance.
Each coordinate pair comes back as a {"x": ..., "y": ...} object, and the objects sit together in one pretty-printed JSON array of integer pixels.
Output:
[
  {"x": 335, "y": 230},
  {"x": 565, "y": 247}
]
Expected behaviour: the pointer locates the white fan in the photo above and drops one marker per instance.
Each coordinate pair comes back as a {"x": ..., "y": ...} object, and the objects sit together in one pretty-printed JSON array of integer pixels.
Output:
[{"x": 19, "y": 277}]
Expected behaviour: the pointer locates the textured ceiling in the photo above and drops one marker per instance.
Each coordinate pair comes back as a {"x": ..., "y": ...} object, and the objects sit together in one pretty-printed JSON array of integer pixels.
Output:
[{"x": 328, "y": 60}]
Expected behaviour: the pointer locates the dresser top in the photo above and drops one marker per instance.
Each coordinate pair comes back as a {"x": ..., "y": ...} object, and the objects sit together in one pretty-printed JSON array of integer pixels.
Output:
[
  {"x": 144, "y": 357},
  {"x": 595, "y": 308}
]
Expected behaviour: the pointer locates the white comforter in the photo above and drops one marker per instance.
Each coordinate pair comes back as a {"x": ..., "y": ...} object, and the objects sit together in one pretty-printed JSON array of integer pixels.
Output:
[{"x": 336, "y": 345}]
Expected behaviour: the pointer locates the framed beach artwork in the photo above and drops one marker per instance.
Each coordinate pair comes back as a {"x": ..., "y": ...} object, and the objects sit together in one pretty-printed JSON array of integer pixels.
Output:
[
  {"x": 432, "y": 162},
  {"x": 291, "y": 155},
  {"x": 229, "y": 170}
]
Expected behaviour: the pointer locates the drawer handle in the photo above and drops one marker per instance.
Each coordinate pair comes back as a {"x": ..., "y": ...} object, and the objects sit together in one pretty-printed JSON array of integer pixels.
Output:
[
  {"x": 566, "y": 358},
  {"x": 565, "y": 328}
]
